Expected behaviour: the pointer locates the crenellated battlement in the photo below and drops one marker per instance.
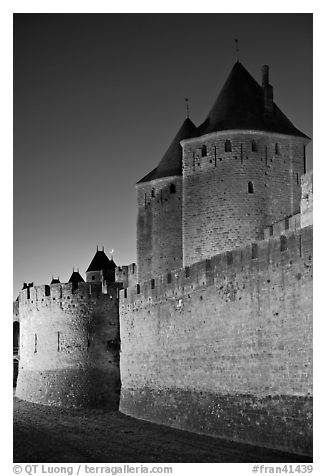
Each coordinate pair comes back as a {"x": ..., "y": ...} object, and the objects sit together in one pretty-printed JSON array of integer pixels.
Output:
[
  {"x": 283, "y": 226},
  {"x": 58, "y": 293},
  {"x": 279, "y": 250}
]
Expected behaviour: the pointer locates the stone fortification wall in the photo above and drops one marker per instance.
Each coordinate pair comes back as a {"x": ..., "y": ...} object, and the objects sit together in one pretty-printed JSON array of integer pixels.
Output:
[
  {"x": 219, "y": 212},
  {"x": 69, "y": 345},
  {"x": 159, "y": 226},
  {"x": 307, "y": 199},
  {"x": 224, "y": 347}
]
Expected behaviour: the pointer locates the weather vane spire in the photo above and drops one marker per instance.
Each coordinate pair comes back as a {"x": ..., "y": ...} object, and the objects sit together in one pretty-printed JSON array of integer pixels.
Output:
[
  {"x": 236, "y": 41},
  {"x": 187, "y": 107}
]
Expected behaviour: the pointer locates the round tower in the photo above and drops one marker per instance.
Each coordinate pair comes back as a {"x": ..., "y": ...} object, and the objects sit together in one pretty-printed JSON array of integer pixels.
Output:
[
  {"x": 242, "y": 172},
  {"x": 159, "y": 220},
  {"x": 69, "y": 345}
]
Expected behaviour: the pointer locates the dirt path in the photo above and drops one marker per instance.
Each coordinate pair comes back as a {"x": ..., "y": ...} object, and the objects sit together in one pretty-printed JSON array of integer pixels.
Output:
[{"x": 47, "y": 434}]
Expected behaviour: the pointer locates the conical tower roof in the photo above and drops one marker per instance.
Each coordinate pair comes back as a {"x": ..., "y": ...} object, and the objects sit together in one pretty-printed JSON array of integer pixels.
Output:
[
  {"x": 76, "y": 278},
  {"x": 101, "y": 262},
  {"x": 240, "y": 105},
  {"x": 171, "y": 162}
]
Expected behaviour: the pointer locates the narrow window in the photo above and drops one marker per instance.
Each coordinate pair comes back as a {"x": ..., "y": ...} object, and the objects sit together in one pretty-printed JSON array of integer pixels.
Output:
[
  {"x": 172, "y": 188},
  {"x": 58, "y": 342},
  {"x": 47, "y": 290},
  {"x": 287, "y": 224},
  {"x": 254, "y": 251},
  {"x": 125, "y": 293},
  {"x": 250, "y": 187},
  {"x": 277, "y": 149},
  {"x": 145, "y": 200},
  {"x": 152, "y": 283},
  {"x": 284, "y": 243},
  {"x": 169, "y": 278},
  {"x": 187, "y": 271},
  {"x": 228, "y": 146},
  {"x": 153, "y": 193},
  {"x": 93, "y": 278},
  {"x": 229, "y": 257},
  {"x": 254, "y": 146},
  {"x": 304, "y": 159},
  {"x": 35, "y": 343},
  {"x": 203, "y": 150},
  {"x": 138, "y": 288},
  {"x": 297, "y": 179},
  {"x": 266, "y": 155}
]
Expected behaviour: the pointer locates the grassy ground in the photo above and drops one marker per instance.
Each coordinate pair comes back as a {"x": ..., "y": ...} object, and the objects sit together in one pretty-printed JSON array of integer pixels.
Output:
[{"x": 47, "y": 434}]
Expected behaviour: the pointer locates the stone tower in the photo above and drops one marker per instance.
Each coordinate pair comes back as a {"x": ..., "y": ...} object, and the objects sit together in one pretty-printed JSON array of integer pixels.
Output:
[
  {"x": 69, "y": 339},
  {"x": 242, "y": 171},
  {"x": 159, "y": 221},
  {"x": 101, "y": 268}
]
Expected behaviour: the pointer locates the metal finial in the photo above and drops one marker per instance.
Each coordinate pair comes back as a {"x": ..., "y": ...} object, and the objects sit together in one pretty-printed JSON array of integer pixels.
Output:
[
  {"x": 187, "y": 107},
  {"x": 96, "y": 247},
  {"x": 237, "y": 48}
]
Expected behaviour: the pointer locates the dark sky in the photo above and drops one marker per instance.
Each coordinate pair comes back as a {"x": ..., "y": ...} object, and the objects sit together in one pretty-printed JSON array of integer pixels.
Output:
[{"x": 97, "y": 100}]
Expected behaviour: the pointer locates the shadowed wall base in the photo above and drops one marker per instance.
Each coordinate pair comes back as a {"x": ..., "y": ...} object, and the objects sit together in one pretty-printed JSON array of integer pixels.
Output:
[
  {"x": 70, "y": 388},
  {"x": 280, "y": 421}
]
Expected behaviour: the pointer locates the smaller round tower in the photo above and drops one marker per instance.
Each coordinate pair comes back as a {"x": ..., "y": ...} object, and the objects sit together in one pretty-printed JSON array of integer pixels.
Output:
[{"x": 70, "y": 344}]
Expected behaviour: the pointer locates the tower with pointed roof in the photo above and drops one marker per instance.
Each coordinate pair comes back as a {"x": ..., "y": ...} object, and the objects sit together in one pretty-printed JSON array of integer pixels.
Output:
[
  {"x": 241, "y": 172},
  {"x": 101, "y": 268},
  {"x": 220, "y": 185},
  {"x": 159, "y": 221}
]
